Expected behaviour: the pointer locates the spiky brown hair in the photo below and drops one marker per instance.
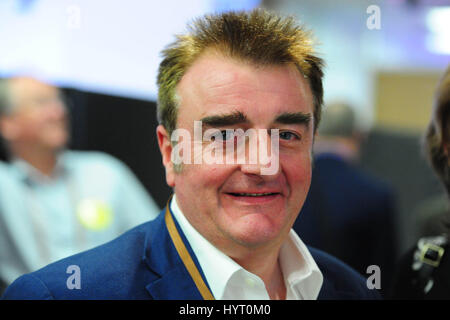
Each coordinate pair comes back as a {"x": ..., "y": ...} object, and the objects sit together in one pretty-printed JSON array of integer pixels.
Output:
[{"x": 258, "y": 37}]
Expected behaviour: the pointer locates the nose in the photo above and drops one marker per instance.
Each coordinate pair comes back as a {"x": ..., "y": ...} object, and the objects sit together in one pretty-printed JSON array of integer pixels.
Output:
[
  {"x": 57, "y": 109},
  {"x": 266, "y": 155}
]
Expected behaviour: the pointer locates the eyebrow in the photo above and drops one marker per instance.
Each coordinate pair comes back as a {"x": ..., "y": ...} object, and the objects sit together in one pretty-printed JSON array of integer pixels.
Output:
[
  {"x": 294, "y": 118},
  {"x": 238, "y": 117},
  {"x": 224, "y": 120}
]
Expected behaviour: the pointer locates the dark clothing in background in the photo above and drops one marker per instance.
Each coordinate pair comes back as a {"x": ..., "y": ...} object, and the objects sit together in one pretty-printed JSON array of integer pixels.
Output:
[
  {"x": 433, "y": 216},
  {"x": 350, "y": 215},
  {"x": 411, "y": 279}
]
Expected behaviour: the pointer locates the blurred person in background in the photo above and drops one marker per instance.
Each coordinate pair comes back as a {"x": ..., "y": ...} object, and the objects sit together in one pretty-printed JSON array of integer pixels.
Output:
[
  {"x": 55, "y": 202},
  {"x": 348, "y": 212},
  {"x": 424, "y": 271},
  {"x": 431, "y": 215}
]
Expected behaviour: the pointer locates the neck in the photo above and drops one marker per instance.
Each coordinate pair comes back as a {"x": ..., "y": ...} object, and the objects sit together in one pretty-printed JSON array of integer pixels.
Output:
[
  {"x": 269, "y": 271},
  {"x": 42, "y": 160},
  {"x": 261, "y": 259}
]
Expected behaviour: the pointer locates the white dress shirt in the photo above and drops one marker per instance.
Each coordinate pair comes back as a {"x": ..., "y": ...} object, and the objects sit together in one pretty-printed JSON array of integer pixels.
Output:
[{"x": 228, "y": 280}]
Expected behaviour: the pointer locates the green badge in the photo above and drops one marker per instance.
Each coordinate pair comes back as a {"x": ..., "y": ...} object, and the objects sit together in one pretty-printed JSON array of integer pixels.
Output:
[{"x": 94, "y": 214}]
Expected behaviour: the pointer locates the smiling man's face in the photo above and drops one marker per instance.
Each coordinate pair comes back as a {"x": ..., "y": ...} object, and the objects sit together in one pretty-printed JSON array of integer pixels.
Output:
[{"x": 234, "y": 205}]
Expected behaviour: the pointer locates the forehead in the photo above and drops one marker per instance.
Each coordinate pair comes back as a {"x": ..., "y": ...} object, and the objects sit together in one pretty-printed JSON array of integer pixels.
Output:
[
  {"x": 24, "y": 91},
  {"x": 215, "y": 83},
  {"x": 29, "y": 87}
]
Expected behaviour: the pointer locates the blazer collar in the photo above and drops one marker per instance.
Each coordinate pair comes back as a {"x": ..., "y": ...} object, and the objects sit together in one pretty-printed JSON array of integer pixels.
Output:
[{"x": 172, "y": 280}]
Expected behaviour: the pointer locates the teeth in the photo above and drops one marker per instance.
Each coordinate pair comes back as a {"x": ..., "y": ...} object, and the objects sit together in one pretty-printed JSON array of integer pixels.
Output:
[{"x": 254, "y": 194}]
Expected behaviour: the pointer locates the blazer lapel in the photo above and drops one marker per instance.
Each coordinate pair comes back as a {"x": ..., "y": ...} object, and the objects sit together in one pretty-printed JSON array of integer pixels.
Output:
[
  {"x": 175, "y": 284},
  {"x": 172, "y": 280}
]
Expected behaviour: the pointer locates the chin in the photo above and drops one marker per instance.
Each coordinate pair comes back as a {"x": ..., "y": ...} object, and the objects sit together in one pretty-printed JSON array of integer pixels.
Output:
[
  {"x": 255, "y": 230},
  {"x": 57, "y": 142}
]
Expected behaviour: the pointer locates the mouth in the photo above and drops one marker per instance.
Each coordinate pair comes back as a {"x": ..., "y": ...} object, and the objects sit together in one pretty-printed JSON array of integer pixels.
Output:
[
  {"x": 253, "y": 197},
  {"x": 241, "y": 194}
]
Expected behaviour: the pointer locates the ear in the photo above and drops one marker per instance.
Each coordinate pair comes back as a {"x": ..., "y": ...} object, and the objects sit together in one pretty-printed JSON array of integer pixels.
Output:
[
  {"x": 165, "y": 146},
  {"x": 9, "y": 129}
]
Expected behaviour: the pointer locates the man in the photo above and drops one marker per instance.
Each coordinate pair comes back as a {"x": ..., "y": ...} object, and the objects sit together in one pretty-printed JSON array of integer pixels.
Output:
[
  {"x": 54, "y": 202},
  {"x": 346, "y": 207},
  {"x": 226, "y": 233}
]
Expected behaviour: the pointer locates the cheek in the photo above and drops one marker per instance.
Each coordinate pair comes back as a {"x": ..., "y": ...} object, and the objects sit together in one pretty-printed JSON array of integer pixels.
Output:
[
  {"x": 201, "y": 178},
  {"x": 198, "y": 188},
  {"x": 29, "y": 129},
  {"x": 297, "y": 169}
]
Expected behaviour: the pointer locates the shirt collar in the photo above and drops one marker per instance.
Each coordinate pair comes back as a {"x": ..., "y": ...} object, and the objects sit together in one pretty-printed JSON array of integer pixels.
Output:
[
  {"x": 302, "y": 276},
  {"x": 28, "y": 173}
]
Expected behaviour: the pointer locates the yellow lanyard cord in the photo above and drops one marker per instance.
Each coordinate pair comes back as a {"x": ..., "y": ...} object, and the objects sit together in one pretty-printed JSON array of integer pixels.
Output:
[{"x": 186, "y": 257}]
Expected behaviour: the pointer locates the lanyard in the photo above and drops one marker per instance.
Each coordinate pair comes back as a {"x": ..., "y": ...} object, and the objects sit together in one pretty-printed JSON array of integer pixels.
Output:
[{"x": 186, "y": 257}]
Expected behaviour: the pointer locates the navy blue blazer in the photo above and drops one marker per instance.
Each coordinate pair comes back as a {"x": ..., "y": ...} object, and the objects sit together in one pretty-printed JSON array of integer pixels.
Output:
[{"x": 143, "y": 263}]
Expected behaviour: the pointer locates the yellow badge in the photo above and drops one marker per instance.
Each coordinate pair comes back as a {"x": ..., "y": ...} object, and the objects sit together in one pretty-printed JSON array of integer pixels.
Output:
[{"x": 94, "y": 214}]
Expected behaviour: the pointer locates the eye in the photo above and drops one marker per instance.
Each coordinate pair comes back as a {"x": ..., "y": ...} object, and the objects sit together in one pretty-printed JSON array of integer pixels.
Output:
[
  {"x": 221, "y": 135},
  {"x": 227, "y": 134},
  {"x": 287, "y": 135}
]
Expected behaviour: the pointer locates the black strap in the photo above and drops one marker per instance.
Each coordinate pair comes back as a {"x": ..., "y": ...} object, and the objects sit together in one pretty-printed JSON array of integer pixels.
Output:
[{"x": 427, "y": 259}]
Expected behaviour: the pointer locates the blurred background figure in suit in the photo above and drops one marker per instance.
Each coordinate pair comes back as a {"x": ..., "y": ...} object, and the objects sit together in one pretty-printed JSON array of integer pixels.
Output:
[
  {"x": 55, "y": 202},
  {"x": 348, "y": 212},
  {"x": 424, "y": 271}
]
